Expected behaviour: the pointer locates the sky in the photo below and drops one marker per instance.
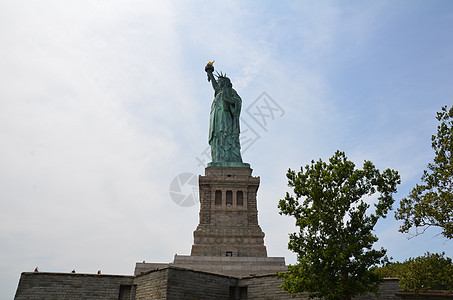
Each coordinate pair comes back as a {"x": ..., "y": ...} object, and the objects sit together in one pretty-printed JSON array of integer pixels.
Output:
[{"x": 104, "y": 106}]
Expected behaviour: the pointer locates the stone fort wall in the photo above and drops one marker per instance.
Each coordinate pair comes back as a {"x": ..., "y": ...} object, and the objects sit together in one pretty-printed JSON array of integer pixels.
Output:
[
  {"x": 51, "y": 286},
  {"x": 168, "y": 283}
]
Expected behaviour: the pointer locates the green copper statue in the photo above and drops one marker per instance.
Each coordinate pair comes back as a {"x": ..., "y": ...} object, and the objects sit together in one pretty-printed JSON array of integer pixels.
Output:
[{"x": 224, "y": 122}]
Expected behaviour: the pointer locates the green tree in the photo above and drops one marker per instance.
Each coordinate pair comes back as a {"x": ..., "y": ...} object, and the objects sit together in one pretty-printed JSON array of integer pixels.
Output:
[
  {"x": 428, "y": 272},
  {"x": 431, "y": 203},
  {"x": 335, "y": 238},
  {"x": 423, "y": 273},
  {"x": 391, "y": 269}
]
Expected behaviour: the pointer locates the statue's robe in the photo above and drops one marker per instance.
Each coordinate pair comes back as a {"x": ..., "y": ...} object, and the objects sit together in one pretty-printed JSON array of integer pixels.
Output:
[{"x": 224, "y": 127}]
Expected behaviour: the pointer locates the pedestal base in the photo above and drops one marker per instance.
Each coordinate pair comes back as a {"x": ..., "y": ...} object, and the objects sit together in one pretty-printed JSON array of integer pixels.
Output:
[
  {"x": 229, "y": 164},
  {"x": 229, "y": 266}
]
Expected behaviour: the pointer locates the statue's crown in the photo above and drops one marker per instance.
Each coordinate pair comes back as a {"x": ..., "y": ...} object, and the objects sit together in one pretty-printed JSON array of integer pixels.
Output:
[{"x": 221, "y": 75}]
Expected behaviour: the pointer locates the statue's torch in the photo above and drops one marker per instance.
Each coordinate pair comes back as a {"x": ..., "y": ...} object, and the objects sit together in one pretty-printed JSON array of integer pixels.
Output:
[{"x": 209, "y": 68}]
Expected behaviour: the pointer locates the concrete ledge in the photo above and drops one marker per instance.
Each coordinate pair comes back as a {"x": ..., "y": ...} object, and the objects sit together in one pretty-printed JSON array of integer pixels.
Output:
[
  {"x": 231, "y": 259},
  {"x": 229, "y": 266},
  {"x": 62, "y": 274},
  {"x": 143, "y": 267},
  {"x": 232, "y": 266},
  {"x": 224, "y": 171},
  {"x": 430, "y": 294}
]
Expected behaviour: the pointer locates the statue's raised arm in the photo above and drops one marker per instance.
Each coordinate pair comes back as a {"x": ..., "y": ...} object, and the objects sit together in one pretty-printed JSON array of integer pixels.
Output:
[{"x": 209, "y": 71}]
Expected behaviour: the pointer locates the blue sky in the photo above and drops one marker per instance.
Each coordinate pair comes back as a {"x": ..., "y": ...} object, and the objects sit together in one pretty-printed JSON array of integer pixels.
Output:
[{"x": 104, "y": 103}]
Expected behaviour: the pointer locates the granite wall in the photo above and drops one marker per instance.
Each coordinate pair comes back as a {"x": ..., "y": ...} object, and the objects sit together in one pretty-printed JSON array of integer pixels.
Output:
[
  {"x": 62, "y": 286},
  {"x": 172, "y": 283}
]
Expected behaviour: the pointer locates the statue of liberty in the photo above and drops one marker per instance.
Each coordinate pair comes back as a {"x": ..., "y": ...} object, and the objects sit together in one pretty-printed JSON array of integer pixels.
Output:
[{"x": 224, "y": 122}]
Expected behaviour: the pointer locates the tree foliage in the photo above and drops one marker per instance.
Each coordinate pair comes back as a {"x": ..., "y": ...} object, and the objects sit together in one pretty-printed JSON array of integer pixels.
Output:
[
  {"x": 335, "y": 237},
  {"x": 431, "y": 203},
  {"x": 423, "y": 273}
]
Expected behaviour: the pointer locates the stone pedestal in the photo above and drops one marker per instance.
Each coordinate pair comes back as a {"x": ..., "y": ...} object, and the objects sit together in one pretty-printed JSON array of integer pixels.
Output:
[
  {"x": 228, "y": 239},
  {"x": 228, "y": 214}
]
